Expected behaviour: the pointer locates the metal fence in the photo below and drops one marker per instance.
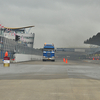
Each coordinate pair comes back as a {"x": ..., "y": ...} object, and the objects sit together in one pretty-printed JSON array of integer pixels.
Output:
[{"x": 14, "y": 47}]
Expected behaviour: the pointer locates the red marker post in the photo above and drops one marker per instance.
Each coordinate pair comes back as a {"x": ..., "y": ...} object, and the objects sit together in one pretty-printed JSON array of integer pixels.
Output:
[{"x": 6, "y": 60}]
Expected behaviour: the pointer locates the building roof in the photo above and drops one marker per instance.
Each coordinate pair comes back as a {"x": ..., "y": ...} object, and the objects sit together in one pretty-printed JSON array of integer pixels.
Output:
[
  {"x": 18, "y": 27},
  {"x": 95, "y": 40}
]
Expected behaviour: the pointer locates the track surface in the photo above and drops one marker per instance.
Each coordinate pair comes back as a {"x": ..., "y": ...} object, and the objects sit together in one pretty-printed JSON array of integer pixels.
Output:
[{"x": 37, "y": 80}]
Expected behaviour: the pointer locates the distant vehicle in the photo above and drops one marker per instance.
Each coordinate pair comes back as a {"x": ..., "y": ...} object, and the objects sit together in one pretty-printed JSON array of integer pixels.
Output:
[{"x": 48, "y": 52}]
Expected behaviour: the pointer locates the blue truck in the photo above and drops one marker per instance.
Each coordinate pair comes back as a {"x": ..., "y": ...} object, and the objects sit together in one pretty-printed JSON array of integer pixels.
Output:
[{"x": 48, "y": 52}]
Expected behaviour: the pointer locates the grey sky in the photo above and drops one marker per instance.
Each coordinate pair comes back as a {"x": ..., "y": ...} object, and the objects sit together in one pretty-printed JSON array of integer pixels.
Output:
[{"x": 66, "y": 23}]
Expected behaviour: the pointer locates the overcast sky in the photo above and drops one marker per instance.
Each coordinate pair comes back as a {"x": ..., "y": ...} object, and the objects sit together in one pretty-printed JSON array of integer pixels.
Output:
[{"x": 66, "y": 23}]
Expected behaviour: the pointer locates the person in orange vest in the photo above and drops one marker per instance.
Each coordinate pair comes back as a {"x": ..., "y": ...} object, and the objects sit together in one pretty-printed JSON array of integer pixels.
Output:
[{"x": 6, "y": 54}]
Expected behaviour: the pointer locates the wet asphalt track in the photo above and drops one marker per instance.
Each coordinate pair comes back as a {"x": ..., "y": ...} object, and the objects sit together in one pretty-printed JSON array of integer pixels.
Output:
[
  {"x": 37, "y": 80},
  {"x": 50, "y": 70}
]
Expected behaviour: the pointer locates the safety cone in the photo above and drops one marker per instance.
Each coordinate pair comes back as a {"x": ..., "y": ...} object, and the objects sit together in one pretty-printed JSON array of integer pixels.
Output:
[
  {"x": 6, "y": 54},
  {"x": 63, "y": 59},
  {"x": 66, "y": 61},
  {"x": 93, "y": 58}
]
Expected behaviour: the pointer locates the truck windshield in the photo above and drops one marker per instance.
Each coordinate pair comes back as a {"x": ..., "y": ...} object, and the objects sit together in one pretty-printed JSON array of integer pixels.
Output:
[{"x": 48, "y": 49}]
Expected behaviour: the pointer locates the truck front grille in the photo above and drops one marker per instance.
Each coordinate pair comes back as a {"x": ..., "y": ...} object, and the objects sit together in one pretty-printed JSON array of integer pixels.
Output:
[{"x": 48, "y": 54}]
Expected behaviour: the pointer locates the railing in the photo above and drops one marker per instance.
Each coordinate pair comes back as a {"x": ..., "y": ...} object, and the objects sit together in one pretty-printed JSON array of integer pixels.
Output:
[{"x": 14, "y": 47}]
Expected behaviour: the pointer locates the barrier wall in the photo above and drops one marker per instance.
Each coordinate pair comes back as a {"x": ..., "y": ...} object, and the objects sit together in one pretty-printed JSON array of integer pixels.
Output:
[{"x": 26, "y": 57}]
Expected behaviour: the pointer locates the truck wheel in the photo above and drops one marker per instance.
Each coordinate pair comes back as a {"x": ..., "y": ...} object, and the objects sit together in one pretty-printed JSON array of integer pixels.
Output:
[{"x": 43, "y": 60}]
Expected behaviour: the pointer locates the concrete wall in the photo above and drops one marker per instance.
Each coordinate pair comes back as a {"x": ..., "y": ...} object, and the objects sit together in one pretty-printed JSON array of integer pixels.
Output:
[{"x": 26, "y": 57}]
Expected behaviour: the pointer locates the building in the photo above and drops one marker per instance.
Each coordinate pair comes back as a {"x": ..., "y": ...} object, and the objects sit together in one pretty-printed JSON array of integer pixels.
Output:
[
  {"x": 19, "y": 44},
  {"x": 25, "y": 37}
]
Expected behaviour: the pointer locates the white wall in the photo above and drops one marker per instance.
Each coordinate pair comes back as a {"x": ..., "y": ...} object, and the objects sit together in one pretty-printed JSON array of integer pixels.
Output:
[{"x": 26, "y": 57}]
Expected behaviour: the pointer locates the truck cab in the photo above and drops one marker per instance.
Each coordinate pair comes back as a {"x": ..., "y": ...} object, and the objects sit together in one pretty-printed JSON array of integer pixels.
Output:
[{"x": 48, "y": 52}]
